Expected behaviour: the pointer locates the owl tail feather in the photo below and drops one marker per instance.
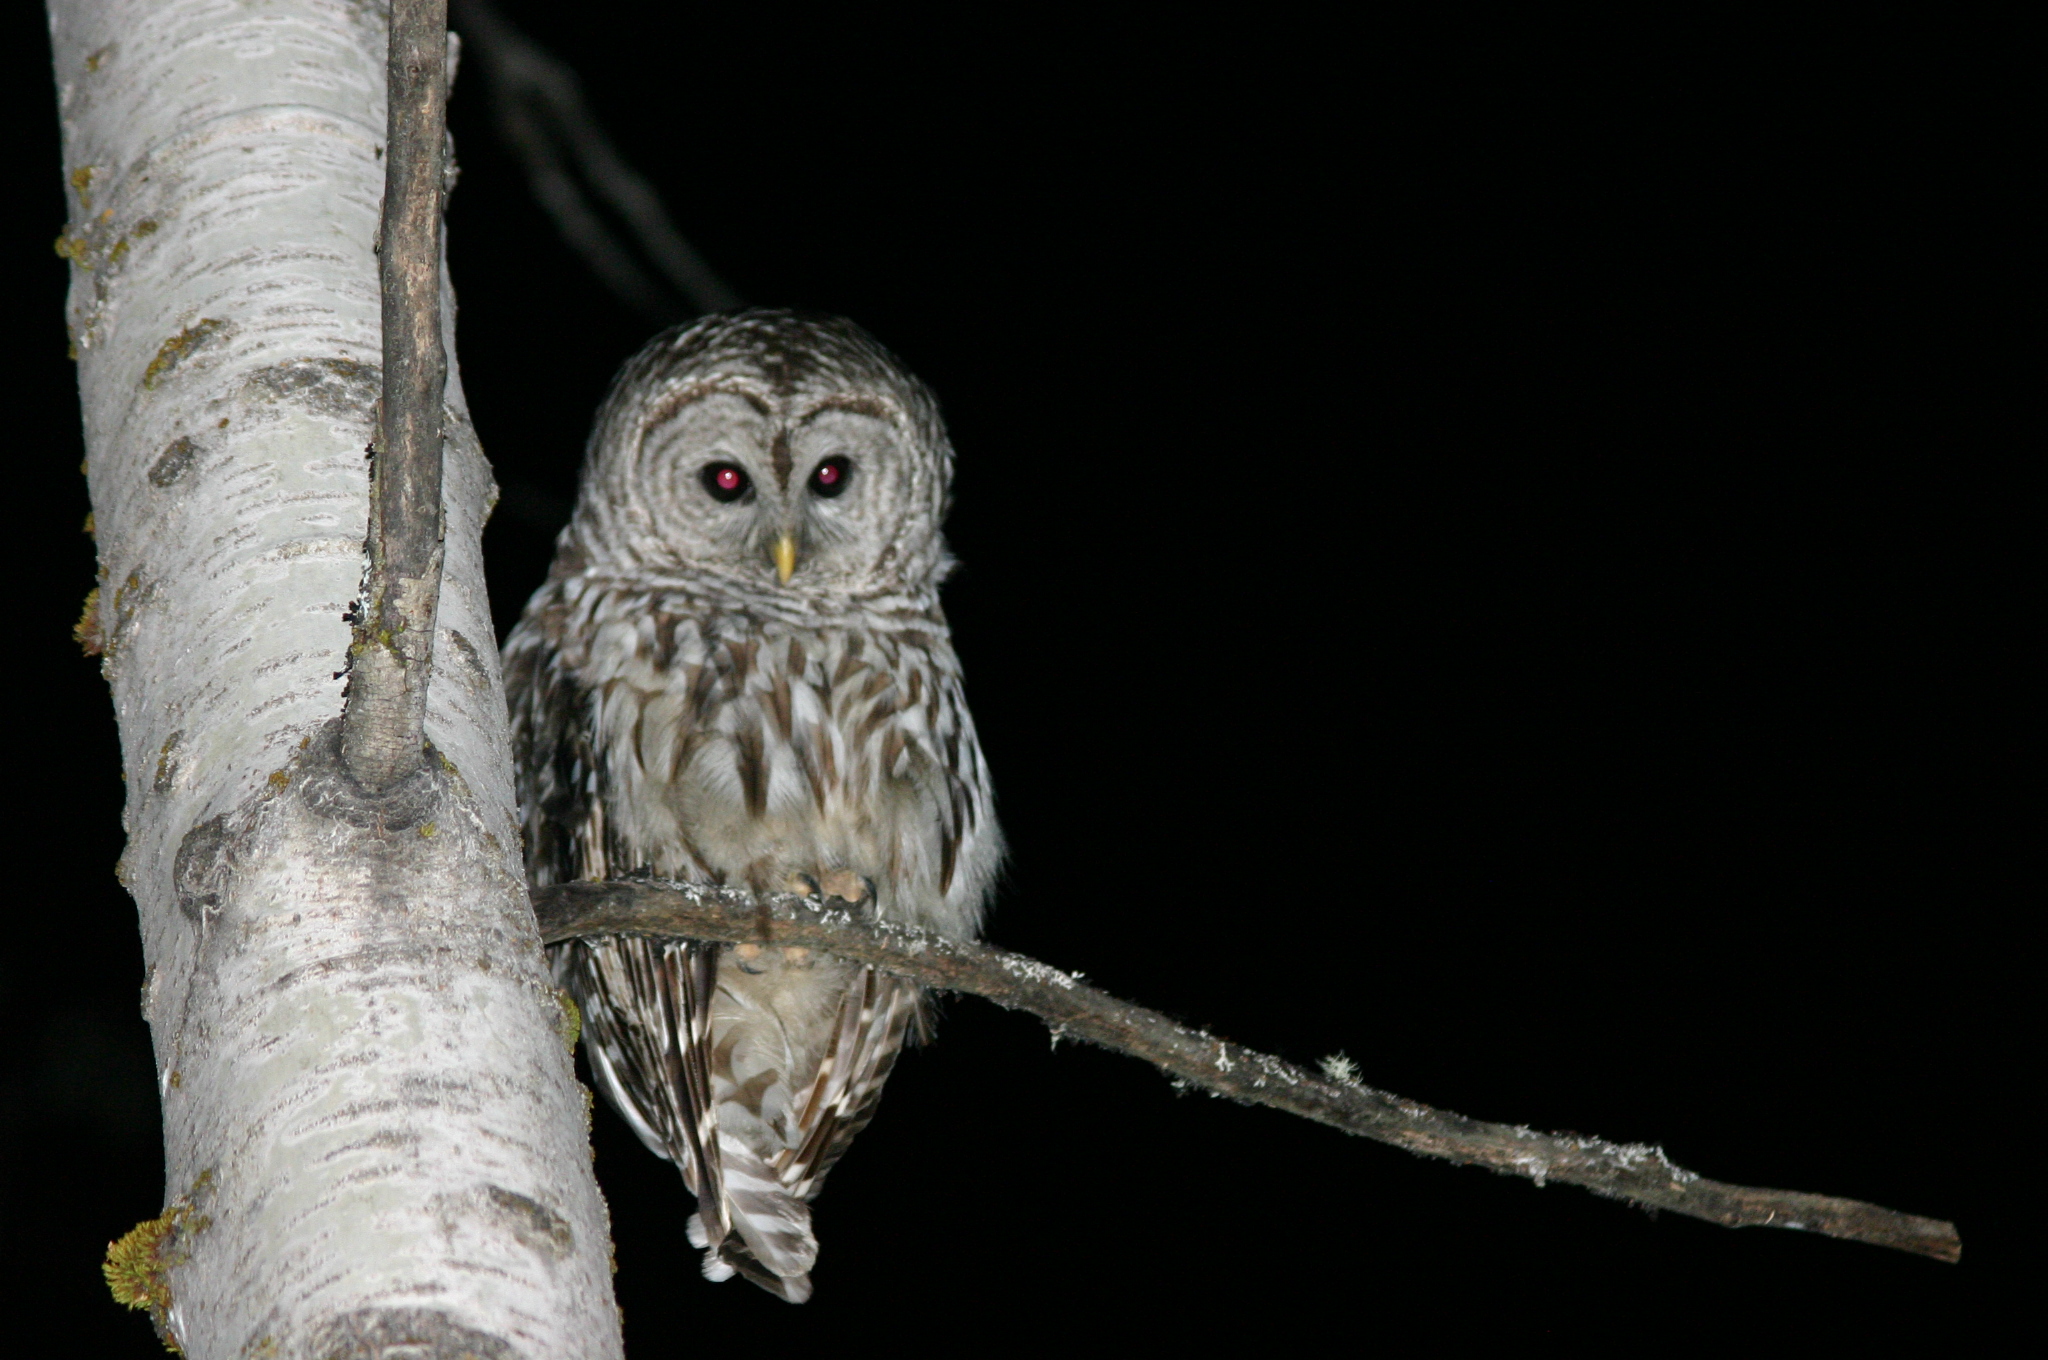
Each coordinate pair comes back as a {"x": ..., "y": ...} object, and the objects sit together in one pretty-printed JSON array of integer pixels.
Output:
[
  {"x": 730, "y": 1258},
  {"x": 771, "y": 1242},
  {"x": 722, "y": 1263}
]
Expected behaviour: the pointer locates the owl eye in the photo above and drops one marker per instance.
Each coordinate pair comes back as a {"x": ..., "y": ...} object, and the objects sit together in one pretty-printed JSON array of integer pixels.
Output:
[
  {"x": 725, "y": 481},
  {"x": 830, "y": 477}
]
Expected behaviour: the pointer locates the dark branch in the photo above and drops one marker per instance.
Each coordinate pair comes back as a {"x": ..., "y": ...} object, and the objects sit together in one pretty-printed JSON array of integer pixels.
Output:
[
  {"x": 543, "y": 118},
  {"x": 384, "y": 720},
  {"x": 1076, "y": 1010}
]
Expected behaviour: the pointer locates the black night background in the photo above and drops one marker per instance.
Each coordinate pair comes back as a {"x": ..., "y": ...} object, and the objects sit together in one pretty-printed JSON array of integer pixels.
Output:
[{"x": 1484, "y": 550}]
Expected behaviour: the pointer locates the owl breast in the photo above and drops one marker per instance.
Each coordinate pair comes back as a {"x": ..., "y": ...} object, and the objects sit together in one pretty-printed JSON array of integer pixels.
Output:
[{"x": 732, "y": 748}]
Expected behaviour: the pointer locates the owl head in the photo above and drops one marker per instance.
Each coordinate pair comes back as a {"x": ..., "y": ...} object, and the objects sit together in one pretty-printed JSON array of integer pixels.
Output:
[{"x": 775, "y": 452}]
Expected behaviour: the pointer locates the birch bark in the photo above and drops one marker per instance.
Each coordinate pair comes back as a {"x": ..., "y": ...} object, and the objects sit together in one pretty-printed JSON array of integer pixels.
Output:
[{"x": 373, "y": 1134}]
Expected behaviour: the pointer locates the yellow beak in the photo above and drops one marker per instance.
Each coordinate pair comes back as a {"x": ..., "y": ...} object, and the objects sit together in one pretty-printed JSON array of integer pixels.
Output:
[{"x": 785, "y": 557}]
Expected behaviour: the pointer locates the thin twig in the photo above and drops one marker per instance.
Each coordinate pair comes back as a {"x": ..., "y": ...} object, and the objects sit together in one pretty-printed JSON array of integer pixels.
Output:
[
  {"x": 384, "y": 719},
  {"x": 1076, "y": 1010},
  {"x": 543, "y": 118}
]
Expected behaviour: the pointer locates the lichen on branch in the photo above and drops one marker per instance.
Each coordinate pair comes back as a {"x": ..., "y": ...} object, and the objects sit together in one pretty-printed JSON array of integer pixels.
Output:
[{"x": 139, "y": 1262}]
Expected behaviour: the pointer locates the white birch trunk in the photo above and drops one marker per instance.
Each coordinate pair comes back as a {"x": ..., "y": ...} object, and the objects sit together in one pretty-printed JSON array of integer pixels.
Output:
[{"x": 368, "y": 1103}]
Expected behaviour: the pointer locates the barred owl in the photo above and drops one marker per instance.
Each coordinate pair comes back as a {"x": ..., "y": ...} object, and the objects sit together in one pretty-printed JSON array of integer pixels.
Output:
[{"x": 738, "y": 673}]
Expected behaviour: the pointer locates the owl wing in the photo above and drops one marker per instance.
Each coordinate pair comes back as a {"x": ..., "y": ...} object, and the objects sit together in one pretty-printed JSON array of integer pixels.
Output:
[
  {"x": 646, "y": 1004},
  {"x": 647, "y": 1011}
]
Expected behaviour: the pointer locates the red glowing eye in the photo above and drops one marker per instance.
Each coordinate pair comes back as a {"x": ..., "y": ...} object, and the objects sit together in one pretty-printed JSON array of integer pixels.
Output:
[
  {"x": 830, "y": 477},
  {"x": 725, "y": 481}
]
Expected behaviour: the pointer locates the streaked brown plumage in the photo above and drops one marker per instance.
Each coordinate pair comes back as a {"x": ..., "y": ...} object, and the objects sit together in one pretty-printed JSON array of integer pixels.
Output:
[{"x": 738, "y": 672}]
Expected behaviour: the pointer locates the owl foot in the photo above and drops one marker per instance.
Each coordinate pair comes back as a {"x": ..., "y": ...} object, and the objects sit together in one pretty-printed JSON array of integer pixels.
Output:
[
  {"x": 835, "y": 885},
  {"x": 844, "y": 885},
  {"x": 748, "y": 957},
  {"x": 838, "y": 885}
]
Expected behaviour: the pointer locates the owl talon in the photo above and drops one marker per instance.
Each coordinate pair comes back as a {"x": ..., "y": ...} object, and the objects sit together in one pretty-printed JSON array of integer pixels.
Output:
[
  {"x": 803, "y": 885},
  {"x": 744, "y": 955},
  {"x": 855, "y": 890}
]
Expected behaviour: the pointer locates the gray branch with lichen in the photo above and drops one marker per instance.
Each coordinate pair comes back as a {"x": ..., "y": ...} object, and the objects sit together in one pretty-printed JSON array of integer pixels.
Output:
[{"x": 1630, "y": 1171}]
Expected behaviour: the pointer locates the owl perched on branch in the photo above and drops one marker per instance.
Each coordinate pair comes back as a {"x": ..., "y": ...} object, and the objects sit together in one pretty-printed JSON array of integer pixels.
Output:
[{"x": 738, "y": 673}]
